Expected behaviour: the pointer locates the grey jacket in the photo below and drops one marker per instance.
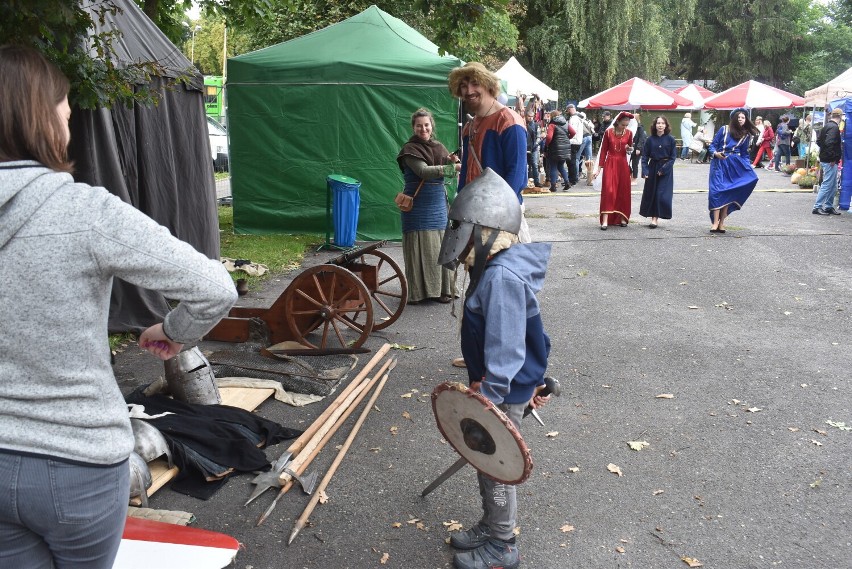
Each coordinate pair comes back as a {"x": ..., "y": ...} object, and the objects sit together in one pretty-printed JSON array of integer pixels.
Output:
[{"x": 61, "y": 244}]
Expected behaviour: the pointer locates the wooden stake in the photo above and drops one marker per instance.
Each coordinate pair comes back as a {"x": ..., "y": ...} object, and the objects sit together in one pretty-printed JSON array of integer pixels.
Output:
[
  {"x": 326, "y": 428},
  {"x": 303, "y": 519},
  {"x": 305, "y": 437}
]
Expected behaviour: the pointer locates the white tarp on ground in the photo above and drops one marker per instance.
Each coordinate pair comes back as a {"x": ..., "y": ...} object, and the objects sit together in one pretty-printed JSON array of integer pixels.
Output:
[
  {"x": 520, "y": 80},
  {"x": 837, "y": 88}
]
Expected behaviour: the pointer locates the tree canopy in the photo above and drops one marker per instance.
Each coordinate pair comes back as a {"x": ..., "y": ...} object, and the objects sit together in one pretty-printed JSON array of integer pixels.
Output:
[{"x": 577, "y": 46}]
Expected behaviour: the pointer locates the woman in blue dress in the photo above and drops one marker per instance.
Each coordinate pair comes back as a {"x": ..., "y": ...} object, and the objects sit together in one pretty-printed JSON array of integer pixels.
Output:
[
  {"x": 732, "y": 178},
  {"x": 424, "y": 162},
  {"x": 658, "y": 158}
]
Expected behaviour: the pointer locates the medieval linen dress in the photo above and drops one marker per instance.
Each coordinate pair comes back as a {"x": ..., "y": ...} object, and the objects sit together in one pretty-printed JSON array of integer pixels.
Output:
[
  {"x": 423, "y": 226},
  {"x": 658, "y": 158},
  {"x": 732, "y": 179},
  {"x": 615, "y": 187}
]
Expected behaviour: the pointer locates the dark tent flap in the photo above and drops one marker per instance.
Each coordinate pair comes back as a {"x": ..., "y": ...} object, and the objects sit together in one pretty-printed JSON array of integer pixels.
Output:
[{"x": 155, "y": 158}]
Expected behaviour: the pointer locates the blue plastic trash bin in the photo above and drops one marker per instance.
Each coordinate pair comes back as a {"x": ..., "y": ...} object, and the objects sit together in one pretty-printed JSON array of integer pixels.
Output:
[{"x": 346, "y": 199}]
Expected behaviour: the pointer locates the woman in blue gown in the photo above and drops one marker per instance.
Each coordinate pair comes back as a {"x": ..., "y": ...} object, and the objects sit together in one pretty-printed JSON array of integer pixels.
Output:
[
  {"x": 732, "y": 178},
  {"x": 658, "y": 158}
]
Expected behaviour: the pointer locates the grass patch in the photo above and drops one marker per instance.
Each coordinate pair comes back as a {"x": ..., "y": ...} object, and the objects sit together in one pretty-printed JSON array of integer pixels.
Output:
[
  {"x": 534, "y": 215},
  {"x": 568, "y": 215},
  {"x": 278, "y": 252},
  {"x": 221, "y": 175},
  {"x": 119, "y": 341}
]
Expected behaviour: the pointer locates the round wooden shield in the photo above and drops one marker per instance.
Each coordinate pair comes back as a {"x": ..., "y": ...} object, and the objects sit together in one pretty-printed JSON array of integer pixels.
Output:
[{"x": 481, "y": 433}]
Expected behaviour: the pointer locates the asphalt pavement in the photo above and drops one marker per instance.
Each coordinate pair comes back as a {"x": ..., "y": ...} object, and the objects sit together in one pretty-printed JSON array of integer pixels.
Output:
[{"x": 726, "y": 354}]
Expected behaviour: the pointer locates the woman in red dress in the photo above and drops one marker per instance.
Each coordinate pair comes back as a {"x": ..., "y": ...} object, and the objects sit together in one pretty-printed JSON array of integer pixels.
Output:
[{"x": 616, "y": 145}]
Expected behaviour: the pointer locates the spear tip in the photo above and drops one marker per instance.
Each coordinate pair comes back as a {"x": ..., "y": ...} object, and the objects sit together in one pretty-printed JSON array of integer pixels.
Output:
[{"x": 297, "y": 527}]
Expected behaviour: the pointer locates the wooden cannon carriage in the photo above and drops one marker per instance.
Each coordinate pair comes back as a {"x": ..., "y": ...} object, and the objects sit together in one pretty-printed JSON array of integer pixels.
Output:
[{"x": 330, "y": 306}]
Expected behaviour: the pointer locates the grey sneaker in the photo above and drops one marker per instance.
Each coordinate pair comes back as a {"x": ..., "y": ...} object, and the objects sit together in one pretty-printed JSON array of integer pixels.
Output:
[
  {"x": 475, "y": 537},
  {"x": 495, "y": 554}
]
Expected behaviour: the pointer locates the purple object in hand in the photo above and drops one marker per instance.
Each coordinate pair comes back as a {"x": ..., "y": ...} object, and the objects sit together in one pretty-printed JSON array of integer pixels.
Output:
[{"x": 159, "y": 344}]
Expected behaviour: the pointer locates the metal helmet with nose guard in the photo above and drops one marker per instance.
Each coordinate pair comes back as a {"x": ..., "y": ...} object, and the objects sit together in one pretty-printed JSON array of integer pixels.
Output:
[{"x": 489, "y": 202}]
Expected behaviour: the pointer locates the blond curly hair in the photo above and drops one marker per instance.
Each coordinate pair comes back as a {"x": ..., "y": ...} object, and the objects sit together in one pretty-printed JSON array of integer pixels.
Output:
[{"x": 473, "y": 71}]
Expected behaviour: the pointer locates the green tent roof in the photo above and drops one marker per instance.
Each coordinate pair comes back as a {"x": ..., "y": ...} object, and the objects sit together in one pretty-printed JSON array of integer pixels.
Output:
[{"x": 370, "y": 47}]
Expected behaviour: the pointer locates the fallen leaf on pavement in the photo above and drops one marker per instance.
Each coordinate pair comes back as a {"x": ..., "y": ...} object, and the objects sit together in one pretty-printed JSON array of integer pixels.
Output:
[
  {"x": 403, "y": 347},
  {"x": 453, "y": 525},
  {"x": 793, "y": 429},
  {"x": 384, "y": 558},
  {"x": 823, "y": 433},
  {"x": 638, "y": 445},
  {"x": 566, "y": 528},
  {"x": 754, "y": 409},
  {"x": 396, "y": 525},
  {"x": 552, "y": 434},
  {"x": 517, "y": 530},
  {"x": 839, "y": 425},
  {"x": 619, "y": 549},
  {"x": 323, "y": 497},
  {"x": 394, "y": 430},
  {"x": 406, "y": 395},
  {"x": 665, "y": 396},
  {"x": 420, "y": 525},
  {"x": 658, "y": 492},
  {"x": 406, "y": 415},
  {"x": 413, "y": 521},
  {"x": 574, "y": 469},
  {"x": 614, "y": 468},
  {"x": 817, "y": 443},
  {"x": 691, "y": 561}
]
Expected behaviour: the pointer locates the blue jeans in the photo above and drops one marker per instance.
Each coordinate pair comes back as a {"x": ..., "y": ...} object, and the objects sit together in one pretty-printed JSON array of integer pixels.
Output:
[
  {"x": 532, "y": 166},
  {"x": 825, "y": 196},
  {"x": 684, "y": 154},
  {"x": 555, "y": 164},
  {"x": 585, "y": 153},
  {"x": 54, "y": 513},
  {"x": 783, "y": 149}
]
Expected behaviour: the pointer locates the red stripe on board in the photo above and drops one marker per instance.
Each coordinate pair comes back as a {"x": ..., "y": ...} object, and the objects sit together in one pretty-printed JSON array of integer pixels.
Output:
[{"x": 147, "y": 530}]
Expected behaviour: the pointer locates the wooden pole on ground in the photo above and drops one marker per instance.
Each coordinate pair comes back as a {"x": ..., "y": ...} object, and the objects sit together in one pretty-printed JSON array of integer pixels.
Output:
[
  {"x": 326, "y": 425},
  {"x": 305, "y": 437},
  {"x": 303, "y": 519}
]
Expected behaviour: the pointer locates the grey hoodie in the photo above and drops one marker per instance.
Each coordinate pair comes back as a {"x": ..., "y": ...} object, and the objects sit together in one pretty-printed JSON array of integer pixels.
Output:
[{"x": 61, "y": 244}]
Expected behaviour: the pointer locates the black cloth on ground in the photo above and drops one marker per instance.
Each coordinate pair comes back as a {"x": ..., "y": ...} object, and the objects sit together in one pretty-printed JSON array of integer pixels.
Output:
[{"x": 228, "y": 438}]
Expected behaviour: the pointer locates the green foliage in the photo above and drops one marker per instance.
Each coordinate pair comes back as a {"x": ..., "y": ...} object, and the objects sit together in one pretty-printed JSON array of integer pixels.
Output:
[
  {"x": 826, "y": 50},
  {"x": 807, "y": 181},
  {"x": 734, "y": 41},
  {"x": 581, "y": 47},
  {"x": 278, "y": 252},
  {"x": 61, "y": 30}
]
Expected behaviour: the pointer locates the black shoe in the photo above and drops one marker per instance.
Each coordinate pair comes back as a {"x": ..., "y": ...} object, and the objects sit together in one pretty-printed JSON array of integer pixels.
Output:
[
  {"x": 819, "y": 211},
  {"x": 830, "y": 211}
]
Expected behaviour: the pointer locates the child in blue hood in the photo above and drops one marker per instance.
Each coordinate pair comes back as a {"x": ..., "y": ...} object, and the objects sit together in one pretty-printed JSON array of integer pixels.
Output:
[{"x": 503, "y": 342}]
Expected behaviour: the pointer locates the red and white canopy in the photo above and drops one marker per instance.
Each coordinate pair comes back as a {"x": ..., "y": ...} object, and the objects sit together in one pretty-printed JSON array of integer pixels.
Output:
[
  {"x": 633, "y": 94},
  {"x": 754, "y": 95}
]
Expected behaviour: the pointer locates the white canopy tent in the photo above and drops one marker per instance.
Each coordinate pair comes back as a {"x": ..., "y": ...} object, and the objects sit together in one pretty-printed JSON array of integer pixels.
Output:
[
  {"x": 839, "y": 87},
  {"x": 520, "y": 80}
]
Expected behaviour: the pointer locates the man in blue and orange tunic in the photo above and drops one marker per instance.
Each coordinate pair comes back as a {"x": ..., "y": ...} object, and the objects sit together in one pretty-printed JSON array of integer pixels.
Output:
[{"x": 496, "y": 138}]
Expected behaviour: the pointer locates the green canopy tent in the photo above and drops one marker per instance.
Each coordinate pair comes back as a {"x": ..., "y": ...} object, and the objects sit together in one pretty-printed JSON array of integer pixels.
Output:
[{"x": 336, "y": 101}]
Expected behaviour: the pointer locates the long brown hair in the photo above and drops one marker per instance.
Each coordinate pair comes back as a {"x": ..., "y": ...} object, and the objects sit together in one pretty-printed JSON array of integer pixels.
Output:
[{"x": 30, "y": 127}]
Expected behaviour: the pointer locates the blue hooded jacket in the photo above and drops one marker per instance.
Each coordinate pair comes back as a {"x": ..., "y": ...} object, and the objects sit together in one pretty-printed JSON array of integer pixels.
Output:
[{"x": 503, "y": 340}]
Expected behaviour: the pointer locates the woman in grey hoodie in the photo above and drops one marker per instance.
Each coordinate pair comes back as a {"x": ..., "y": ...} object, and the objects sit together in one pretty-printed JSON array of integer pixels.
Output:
[{"x": 65, "y": 436}]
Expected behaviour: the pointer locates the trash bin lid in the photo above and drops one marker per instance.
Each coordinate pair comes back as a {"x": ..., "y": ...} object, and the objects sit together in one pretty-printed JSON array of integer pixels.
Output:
[{"x": 342, "y": 179}]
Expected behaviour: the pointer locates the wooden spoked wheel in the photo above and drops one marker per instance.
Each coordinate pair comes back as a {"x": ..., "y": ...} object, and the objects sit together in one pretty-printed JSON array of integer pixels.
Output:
[
  {"x": 388, "y": 288},
  {"x": 328, "y": 307}
]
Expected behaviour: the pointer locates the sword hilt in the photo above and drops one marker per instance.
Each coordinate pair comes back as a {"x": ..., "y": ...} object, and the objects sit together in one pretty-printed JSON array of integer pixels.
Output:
[{"x": 551, "y": 387}]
